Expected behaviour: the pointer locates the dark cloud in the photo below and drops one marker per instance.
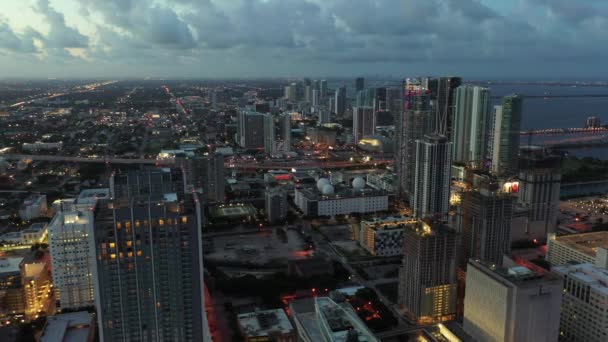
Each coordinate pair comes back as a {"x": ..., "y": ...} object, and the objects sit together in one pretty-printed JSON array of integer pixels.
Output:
[
  {"x": 15, "y": 42},
  {"x": 60, "y": 34}
]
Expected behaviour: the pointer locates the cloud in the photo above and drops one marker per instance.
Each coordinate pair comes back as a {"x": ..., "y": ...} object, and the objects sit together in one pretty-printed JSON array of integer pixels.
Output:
[
  {"x": 15, "y": 42},
  {"x": 60, "y": 35}
]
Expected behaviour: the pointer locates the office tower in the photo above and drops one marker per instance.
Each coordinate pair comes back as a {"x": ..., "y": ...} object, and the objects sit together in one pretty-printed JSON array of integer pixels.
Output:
[
  {"x": 507, "y": 126},
  {"x": 432, "y": 177},
  {"x": 378, "y": 100},
  {"x": 250, "y": 130},
  {"x": 411, "y": 125},
  {"x": 149, "y": 284},
  {"x": 340, "y": 101},
  {"x": 469, "y": 125},
  {"x": 511, "y": 304},
  {"x": 485, "y": 224},
  {"x": 316, "y": 98},
  {"x": 584, "y": 311},
  {"x": 12, "y": 300},
  {"x": 316, "y": 85},
  {"x": 262, "y": 107},
  {"x": 593, "y": 122},
  {"x": 269, "y": 134},
  {"x": 539, "y": 189},
  {"x": 364, "y": 122},
  {"x": 285, "y": 132},
  {"x": 324, "y": 117},
  {"x": 208, "y": 174},
  {"x": 276, "y": 205},
  {"x": 308, "y": 93},
  {"x": 427, "y": 277},
  {"x": 590, "y": 248},
  {"x": 445, "y": 102},
  {"x": 323, "y": 89},
  {"x": 291, "y": 92},
  {"x": 73, "y": 256},
  {"x": 359, "y": 84},
  {"x": 394, "y": 101}
]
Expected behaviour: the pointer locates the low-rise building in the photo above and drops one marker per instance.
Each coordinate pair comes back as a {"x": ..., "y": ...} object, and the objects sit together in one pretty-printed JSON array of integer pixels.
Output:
[
  {"x": 578, "y": 248},
  {"x": 12, "y": 301},
  {"x": 36, "y": 233},
  {"x": 382, "y": 181},
  {"x": 384, "y": 236},
  {"x": 37, "y": 287},
  {"x": 327, "y": 200},
  {"x": 69, "y": 327},
  {"x": 268, "y": 325},
  {"x": 33, "y": 207}
]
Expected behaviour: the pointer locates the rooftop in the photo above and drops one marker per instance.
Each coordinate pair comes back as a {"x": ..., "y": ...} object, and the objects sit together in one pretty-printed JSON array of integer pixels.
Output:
[
  {"x": 340, "y": 191},
  {"x": 10, "y": 265},
  {"x": 68, "y": 327},
  {"x": 261, "y": 323},
  {"x": 587, "y": 243},
  {"x": 594, "y": 277},
  {"x": 518, "y": 276},
  {"x": 388, "y": 222}
]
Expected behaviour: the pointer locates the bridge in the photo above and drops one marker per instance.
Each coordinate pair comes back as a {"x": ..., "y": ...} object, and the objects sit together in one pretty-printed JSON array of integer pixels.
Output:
[
  {"x": 252, "y": 165},
  {"x": 557, "y": 131}
]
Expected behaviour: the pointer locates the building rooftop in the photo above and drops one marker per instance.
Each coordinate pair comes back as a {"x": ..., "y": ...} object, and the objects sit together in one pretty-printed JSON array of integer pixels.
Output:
[
  {"x": 340, "y": 322},
  {"x": 68, "y": 327},
  {"x": 388, "y": 222},
  {"x": 262, "y": 323},
  {"x": 517, "y": 276},
  {"x": 10, "y": 265},
  {"x": 91, "y": 195},
  {"x": 594, "y": 277},
  {"x": 587, "y": 243},
  {"x": 340, "y": 191}
]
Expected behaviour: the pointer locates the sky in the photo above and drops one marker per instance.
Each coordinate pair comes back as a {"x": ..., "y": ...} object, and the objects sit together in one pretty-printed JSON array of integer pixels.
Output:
[{"x": 480, "y": 39}]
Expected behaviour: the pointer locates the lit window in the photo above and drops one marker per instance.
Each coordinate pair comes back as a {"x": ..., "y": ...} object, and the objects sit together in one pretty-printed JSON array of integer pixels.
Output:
[
  {"x": 112, "y": 256},
  {"x": 161, "y": 222},
  {"x": 184, "y": 219},
  {"x": 112, "y": 245},
  {"x": 129, "y": 243}
]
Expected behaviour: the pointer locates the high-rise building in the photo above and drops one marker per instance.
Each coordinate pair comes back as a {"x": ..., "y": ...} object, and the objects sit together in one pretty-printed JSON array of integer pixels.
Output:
[
  {"x": 359, "y": 84},
  {"x": 323, "y": 89},
  {"x": 593, "y": 122},
  {"x": 507, "y": 126},
  {"x": 276, "y": 205},
  {"x": 209, "y": 176},
  {"x": 316, "y": 85},
  {"x": 73, "y": 251},
  {"x": 445, "y": 103},
  {"x": 12, "y": 299},
  {"x": 291, "y": 92},
  {"x": 427, "y": 278},
  {"x": 149, "y": 284},
  {"x": 485, "y": 224},
  {"x": 250, "y": 130},
  {"x": 340, "y": 101},
  {"x": 469, "y": 124},
  {"x": 394, "y": 100},
  {"x": 37, "y": 287},
  {"x": 584, "y": 311},
  {"x": 511, "y": 304},
  {"x": 364, "y": 122},
  {"x": 431, "y": 196},
  {"x": 411, "y": 125},
  {"x": 316, "y": 98},
  {"x": 308, "y": 93},
  {"x": 539, "y": 189},
  {"x": 324, "y": 117},
  {"x": 285, "y": 132},
  {"x": 270, "y": 145}
]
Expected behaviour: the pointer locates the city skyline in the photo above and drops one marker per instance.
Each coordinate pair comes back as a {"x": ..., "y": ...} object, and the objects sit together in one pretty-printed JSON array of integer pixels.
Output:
[{"x": 226, "y": 39}]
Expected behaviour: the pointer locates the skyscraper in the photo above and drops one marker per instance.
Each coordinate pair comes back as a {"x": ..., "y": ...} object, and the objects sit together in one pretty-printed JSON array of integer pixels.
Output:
[
  {"x": 445, "y": 102},
  {"x": 208, "y": 172},
  {"x": 269, "y": 134},
  {"x": 308, "y": 93},
  {"x": 427, "y": 277},
  {"x": 432, "y": 177},
  {"x": 507, "y": 126},
  {"x": 324, "y": 117},
  {"x": 250, "y": 130},
  {"x": 364, "y": 122},
  {"x": 340, "y": 101},
  {"x": 359, "y": 84},
  {"x": 316, "y": 98},
  {"x": 323, "y": 89},
  {"x": 285, "y": 132},
  {"x": 149, "y": 284},
  {"x": 291, "y": 92},
  {"x": 511, "y": 304},
  {"x": 470, "y": 124},
  {"x": 485, "y": 224},
  {"x": 539, "y": 189},
  {"x": 73, "y": 251}
]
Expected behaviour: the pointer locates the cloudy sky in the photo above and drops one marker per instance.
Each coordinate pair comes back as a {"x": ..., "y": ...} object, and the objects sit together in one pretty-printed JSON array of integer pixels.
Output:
[{"x": 545, "y": 39}]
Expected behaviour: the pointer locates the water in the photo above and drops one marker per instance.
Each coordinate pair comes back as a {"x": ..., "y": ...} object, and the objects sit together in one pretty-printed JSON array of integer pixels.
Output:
[{"x": 541, "y": 113}]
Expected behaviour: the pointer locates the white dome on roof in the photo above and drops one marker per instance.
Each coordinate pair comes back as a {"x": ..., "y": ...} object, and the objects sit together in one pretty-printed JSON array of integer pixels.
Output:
[
  {"x": 358, "y": 183},
  {"x": 322, "y": 182},
  {"x": 328, "y": 189}
]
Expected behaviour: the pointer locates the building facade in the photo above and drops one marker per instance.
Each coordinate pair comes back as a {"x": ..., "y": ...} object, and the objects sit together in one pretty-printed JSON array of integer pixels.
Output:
[
  {"x": 384, "y": 236},
  {"x": 364, "y": 122},
  {"x": 276, "y": 205},
  {"x": 507, "y": 126},
  {"x": 250, "y": 130},
  {"x": 469, "y": 125}
]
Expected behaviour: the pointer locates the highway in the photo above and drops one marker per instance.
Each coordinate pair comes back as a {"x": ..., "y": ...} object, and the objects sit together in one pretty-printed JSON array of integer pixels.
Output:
[{"x": 252, "y": 165}]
